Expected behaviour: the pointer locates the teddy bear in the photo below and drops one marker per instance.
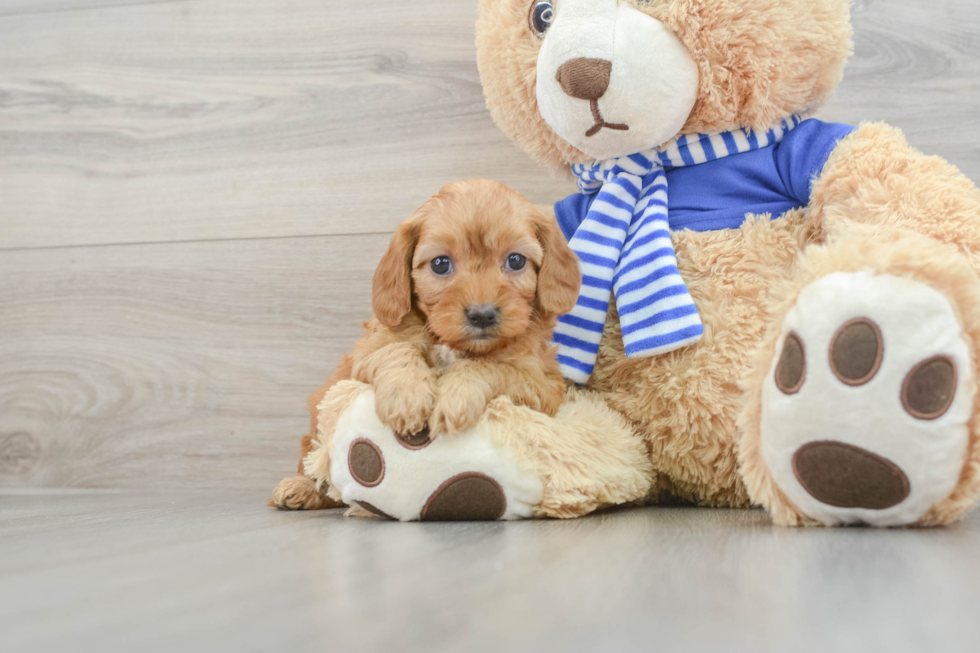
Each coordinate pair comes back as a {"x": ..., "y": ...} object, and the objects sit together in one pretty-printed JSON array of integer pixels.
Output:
[{"x": 775, "y": 310}]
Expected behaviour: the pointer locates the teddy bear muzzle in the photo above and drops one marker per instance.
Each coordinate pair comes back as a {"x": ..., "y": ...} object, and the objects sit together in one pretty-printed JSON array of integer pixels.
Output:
[{"x": 605, "y": 96}]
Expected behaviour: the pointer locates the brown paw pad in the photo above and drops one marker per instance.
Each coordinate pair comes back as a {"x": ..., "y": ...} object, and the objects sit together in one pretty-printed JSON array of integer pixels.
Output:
[
  {"x": 414, "y": 441},
  {"x": 374, "y": 511},
  {"x": 791, "y": 368},
  {"x": 466, "y": 497},
  {"x": 928, "y": 390},
  {"x": 366, "y": 464},
  {"x": 846, "y": 476},
  {"x": 856, "y": 351}
]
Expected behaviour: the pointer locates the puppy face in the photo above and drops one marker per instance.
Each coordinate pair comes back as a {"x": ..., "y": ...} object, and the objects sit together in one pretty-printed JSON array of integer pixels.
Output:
[{"x": 481, "y": 263}]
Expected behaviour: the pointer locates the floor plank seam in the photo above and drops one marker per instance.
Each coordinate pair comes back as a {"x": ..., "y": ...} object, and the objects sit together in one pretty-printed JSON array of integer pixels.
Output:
[
  {"x": 193, "y": 241},
  {"x": 62, "y": 10}
]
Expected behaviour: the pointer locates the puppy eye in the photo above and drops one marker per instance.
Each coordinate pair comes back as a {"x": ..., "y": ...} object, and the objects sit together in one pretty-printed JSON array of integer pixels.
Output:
[
  {"x": 542, "y": 15},
  {"x": 516, "y": 262},
  {"x": 441, "y": 265}
]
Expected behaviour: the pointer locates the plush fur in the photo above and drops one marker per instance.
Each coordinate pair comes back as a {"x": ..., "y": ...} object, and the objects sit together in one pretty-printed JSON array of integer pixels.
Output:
[
  {"x": 759, "y": 61},
  {"x": 696, "y": 413},
  {"x": 588, "y": 456},
  {"x": 902, "y": 254},
  {"x": 878, "y": 204}
]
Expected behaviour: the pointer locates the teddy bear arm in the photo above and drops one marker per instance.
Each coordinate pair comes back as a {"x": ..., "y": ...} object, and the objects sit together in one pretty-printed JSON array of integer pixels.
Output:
[{"x": 875, "y": 182}]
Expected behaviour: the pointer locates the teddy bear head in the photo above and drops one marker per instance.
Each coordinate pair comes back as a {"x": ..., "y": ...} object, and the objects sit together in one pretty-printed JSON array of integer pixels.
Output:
[{"x": 572, "y": 81}]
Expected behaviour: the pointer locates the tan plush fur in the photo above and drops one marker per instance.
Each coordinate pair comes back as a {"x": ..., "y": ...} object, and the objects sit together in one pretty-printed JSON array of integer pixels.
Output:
[
  {"x": 315, "y": 460},
  {"x": 685, "y": 402},
  {"x": 759, "y": 61},
  {"x": 587, "y": 456},
  {"x": 878, "y": 203}
]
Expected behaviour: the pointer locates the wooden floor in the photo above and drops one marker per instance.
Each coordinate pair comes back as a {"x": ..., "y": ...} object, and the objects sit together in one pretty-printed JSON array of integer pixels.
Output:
[
  {"x": 179, "y": 571},
  {"x": 193, "y": 196}
]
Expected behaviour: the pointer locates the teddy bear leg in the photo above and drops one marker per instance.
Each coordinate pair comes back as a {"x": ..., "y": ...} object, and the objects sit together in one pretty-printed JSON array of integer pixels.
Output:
[
  {"x": 515, "y": 463},
  {"x": 589, "y": 456},
  {"x": 861, "y": 404}
]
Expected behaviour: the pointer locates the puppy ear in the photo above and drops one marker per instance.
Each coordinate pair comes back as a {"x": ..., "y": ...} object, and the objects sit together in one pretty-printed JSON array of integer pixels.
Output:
[
  {"x": 391, "y": 290},
  {"x": 559, "y": 278}
]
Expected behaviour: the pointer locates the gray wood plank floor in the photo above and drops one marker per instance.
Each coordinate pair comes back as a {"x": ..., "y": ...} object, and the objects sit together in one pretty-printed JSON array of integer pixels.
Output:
[{"x": 132, "y": 571}]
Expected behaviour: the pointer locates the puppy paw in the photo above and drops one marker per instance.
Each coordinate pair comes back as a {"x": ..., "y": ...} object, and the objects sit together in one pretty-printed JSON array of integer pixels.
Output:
[
  {"x": 550, "y": 399},
  {"x": 405, "y": 407},
  {"x": 299, "y": 493},
  {"x": 459, "y": 407}
]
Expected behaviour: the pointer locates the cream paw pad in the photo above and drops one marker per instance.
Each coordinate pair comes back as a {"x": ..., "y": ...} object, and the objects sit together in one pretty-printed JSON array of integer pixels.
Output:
[{"x": 867, "y": 406}]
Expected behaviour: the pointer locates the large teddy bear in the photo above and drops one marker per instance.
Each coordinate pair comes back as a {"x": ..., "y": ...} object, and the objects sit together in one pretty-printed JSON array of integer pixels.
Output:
[{"x": 775, "y": 310}]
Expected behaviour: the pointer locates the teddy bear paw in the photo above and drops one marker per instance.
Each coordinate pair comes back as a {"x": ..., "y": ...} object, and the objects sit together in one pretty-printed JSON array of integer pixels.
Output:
[
  {"x": 867, "y": 404},
  {"x": 419, "y": 477}
]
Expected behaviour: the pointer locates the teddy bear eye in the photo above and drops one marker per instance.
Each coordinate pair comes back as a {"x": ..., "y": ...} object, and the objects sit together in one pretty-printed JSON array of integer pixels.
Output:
[
  {"x": 542, "y": 15},
  {"x": 441, "y": 265},
  {"x": 516, "y": 262}
]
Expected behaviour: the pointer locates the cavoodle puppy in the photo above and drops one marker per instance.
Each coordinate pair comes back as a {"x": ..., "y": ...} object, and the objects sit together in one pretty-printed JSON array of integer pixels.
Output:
[{"x": 465, "y": 300}]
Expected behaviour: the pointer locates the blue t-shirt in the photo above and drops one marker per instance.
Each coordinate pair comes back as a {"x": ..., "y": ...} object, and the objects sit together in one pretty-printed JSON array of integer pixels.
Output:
[{"x": 718, "y": 194}]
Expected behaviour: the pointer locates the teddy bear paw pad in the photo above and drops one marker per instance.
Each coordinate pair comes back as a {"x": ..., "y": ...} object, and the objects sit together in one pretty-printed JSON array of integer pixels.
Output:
[
  {"x": 466, "y": 497},
  {"x": 419, "y": 477},
  {"x": 866, "y": 408}
]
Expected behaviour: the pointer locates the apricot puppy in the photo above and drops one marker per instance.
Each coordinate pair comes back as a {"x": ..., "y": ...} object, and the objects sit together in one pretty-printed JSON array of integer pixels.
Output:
[{"x": 464, "y": 300}]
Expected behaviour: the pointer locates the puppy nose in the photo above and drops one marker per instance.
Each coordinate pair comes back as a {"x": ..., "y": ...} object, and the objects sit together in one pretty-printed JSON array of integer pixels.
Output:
[
  {"x": 585, "y": 79},
  {"x": 482, "y": 316}
]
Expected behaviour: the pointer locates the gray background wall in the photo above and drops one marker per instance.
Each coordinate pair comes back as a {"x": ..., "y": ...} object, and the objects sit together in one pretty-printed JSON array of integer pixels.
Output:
[{"x": 194, "y": 193}]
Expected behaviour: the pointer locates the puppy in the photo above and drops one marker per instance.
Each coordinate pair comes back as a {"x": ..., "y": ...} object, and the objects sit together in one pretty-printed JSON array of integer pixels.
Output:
[{"x": 465, "y": 300}]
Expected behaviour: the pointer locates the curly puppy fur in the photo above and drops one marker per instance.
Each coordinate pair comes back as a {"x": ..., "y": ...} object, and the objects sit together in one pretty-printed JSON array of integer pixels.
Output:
[{"x": 429, "y": 362}]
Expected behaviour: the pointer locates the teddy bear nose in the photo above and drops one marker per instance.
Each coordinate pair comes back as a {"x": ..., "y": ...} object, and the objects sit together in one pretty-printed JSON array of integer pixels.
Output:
[
  {"x": 585, "y": 79},
  {"x": 482, "y": 316}
]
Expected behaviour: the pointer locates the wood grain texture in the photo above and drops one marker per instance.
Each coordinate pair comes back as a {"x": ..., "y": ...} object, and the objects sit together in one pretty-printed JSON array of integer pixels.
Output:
[
  {"x": 916, "y": 65},
  {"x": 22, "y": 7},
  {"x": 194, "y": 193},
  {"x": 240, "y": 119},
  {"x": 162, "y": 365},
  {"x": 206, "y": 571}
]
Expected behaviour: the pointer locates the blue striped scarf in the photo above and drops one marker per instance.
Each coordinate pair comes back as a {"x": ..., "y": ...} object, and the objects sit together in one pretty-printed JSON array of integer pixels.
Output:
[{"x": 624, "y": 244}]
